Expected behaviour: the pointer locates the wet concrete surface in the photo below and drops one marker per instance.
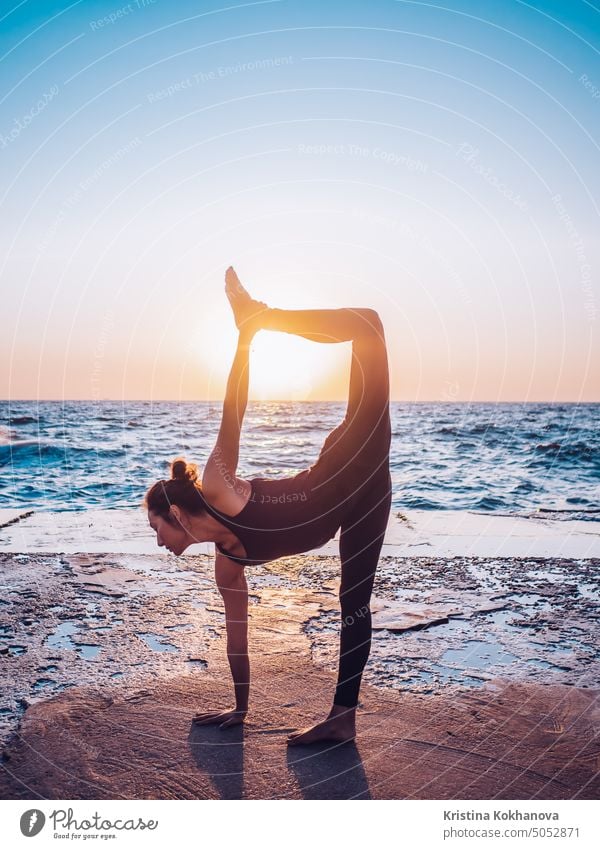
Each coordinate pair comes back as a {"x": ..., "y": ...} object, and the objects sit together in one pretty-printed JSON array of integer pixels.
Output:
[
  {"x": 463, "y": 621},
  {"x": 137, "y": 641},
  {"x": 72, "y": 620}
]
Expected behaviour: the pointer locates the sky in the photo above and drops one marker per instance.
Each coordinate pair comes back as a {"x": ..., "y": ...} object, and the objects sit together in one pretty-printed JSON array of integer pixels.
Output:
[{"x": 437, "y": 162}]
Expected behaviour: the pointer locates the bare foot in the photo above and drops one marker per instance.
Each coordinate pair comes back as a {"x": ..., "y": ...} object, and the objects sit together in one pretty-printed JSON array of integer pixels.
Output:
[
  {"x": 222, "y": 718},
  {"x": 234, "y": 288},
  {"x": 339, "y": 728},
  {"x": 246, "y": 311}
]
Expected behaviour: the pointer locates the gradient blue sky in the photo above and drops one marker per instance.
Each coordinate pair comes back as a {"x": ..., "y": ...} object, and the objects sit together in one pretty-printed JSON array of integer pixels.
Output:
[{"x": 438, "y": 162}]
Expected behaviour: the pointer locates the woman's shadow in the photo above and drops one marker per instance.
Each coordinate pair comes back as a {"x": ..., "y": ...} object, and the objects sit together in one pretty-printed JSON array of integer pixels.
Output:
[
  {"x": 329, "y": 771},
  {"x": 220, "y": 757},
  {"x": 322, "y": 770}
]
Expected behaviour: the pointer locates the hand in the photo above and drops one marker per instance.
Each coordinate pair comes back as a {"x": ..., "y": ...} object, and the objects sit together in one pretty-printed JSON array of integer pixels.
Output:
[
  {"x": 246, "y": 311},
  {"x": 224, "y": 718}
]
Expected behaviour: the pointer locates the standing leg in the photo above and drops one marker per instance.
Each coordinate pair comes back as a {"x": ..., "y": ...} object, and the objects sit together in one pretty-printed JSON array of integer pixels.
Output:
[
  {"x": 361, "y": 538},
  {"x": 360, "y": 545},
  {"x": 356, "y": 455}
]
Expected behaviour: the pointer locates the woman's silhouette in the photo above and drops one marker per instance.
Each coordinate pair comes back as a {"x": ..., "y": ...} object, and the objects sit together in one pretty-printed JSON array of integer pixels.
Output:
[{"x": 258, "y": 520}]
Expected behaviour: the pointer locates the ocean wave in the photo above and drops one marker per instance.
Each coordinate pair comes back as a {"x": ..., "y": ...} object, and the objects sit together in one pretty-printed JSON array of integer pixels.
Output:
[
  {"x": 21, "y": 452},
  {"x": 473, "y": 430},
  {"x": 275, "y": 428},
  {"x": 15, "y": 447},
  {"x": 6, "y": 435},
  {"x": 503, "y": 457},
  {"x": 417, "y": 502},
  {"x": 19, "y": 420},
  {"x": 489, "y": 502},
  {"x": 567, "y": 450},
  {"x": 525, "y": 486},
  {"x": 562, "y": 515}
]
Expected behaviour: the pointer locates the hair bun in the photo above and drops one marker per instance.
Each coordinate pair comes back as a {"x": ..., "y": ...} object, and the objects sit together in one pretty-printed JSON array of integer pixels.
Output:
[{"x": 183, "y": 471}]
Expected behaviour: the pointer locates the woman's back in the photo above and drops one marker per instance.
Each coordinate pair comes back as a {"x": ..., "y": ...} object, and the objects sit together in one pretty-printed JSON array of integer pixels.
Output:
[{"x": 282, "y": 517}]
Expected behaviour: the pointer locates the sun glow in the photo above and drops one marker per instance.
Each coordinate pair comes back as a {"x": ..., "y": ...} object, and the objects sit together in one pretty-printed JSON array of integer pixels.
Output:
[
  {"x": 285, "y": 367},
  {"x": 282, "y": 366}
]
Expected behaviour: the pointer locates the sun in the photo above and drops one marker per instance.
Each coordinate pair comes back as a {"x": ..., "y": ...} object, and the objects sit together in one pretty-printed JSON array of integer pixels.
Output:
[{"x": 283, "y": 367}]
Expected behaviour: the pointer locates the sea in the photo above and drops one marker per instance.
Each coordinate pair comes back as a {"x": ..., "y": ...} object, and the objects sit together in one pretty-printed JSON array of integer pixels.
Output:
[{"x": 509, "y": 458}]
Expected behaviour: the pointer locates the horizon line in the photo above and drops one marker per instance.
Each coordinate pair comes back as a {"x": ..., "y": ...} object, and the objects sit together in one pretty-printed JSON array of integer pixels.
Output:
[{"x": 273, "y": 401}]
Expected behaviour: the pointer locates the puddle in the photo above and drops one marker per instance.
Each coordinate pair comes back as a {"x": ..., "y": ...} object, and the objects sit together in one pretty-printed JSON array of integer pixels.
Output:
[
  {"x": 506, "y": 620},
  {"x": 540, "y": 602},
  {"x": 445, "y": 675},
  {"x": 89, "y": 650},
  {"x": 588, "y": 591},
  {"x": 61, "y": 638},
  {"x": 16, "y": 651},
  {"x": 153, "y": 642},
  {"x": 42, "y": 684},
  {"x": 552, "y": 575},
  {"x": 545, "y": 664},
  {"x": 478, "y": 654}
]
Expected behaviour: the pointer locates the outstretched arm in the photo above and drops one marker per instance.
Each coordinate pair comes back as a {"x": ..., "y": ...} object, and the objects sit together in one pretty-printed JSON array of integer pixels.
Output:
[
  {"x": 221, "y": 466},
  {"x": 232, "y": 585},
  {"x": 220, "y": 471}
]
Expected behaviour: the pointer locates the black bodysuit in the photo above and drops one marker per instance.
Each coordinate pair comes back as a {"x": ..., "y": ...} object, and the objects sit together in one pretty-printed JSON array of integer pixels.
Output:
[
  {"x": 283, "y": 517},
  {"x": 349, "y": 487}
]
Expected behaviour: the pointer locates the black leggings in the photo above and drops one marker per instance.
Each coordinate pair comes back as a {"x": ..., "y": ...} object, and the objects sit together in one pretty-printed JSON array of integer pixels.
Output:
[
  {"x": 352, "y": 472},
  {"x": 354, "y": 464}
]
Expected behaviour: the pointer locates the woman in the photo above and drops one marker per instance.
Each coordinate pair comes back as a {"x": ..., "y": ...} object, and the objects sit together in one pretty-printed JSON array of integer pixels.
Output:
[{"x": 258, "y": 520}]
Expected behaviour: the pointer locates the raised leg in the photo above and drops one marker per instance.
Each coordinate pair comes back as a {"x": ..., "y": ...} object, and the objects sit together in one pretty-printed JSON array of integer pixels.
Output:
[
  {"x": 369, "y": 389},
  {"x": 326, "y": 325},
  {"x": 357, "y": 449},
  {"x": 318, "y": 325}
]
